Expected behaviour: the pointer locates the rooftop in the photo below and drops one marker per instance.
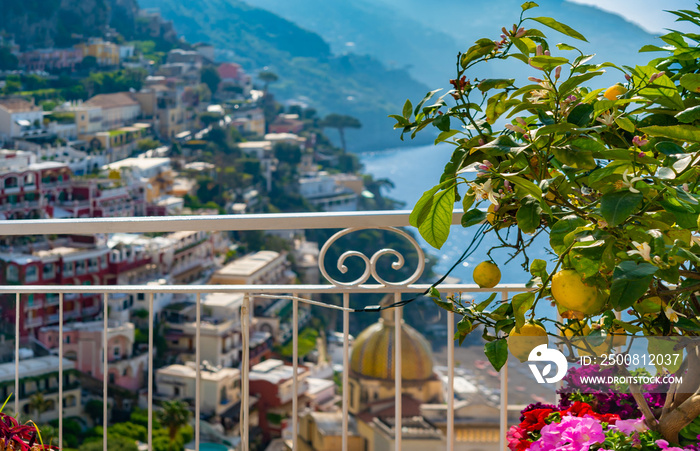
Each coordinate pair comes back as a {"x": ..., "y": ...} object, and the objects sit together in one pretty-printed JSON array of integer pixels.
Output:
[
  {"x": 273, "y": 371},
  {"x": 18, "y": 105},
  {"x": 140, "y": 163},
  {"x": 249, "y": 264},
  {"x": 207, "y": 372},
  {"x": 33, "y": 367},
  {"x": 115, "y": 100}
]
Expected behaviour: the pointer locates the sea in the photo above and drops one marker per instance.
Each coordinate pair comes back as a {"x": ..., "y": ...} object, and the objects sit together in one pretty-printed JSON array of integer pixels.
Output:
[{"x": 413, "y": 171}]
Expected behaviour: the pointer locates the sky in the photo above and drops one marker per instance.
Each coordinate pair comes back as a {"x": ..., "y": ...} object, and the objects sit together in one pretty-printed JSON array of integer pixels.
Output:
[{"x": 649, "y": 14}]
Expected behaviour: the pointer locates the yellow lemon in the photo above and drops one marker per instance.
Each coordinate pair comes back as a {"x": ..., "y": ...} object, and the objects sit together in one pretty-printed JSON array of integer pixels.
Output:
[
  {"x": 614, "y": 91},
  {"x": 570, "y": 292},
  {"x": 520, "y": 343},
  {"x": 486, "y": 275},
  {"x": 579, "y": 329},
  {"x": 491, "y": 216}
]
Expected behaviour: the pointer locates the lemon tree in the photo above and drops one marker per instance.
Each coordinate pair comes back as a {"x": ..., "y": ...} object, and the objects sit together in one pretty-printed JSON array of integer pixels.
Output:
[{"x": 610, "y": 173}]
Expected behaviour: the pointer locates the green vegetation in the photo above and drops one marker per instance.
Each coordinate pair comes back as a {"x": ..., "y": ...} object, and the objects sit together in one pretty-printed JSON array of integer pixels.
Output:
[{"x": 307, "y": 343}]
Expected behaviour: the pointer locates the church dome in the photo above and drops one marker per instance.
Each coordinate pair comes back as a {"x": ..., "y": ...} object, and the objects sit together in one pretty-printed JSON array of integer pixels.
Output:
[{"x": 373, "y": 353}]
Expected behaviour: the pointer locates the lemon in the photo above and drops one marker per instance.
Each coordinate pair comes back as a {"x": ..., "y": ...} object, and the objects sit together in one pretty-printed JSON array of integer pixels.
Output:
[
  {"x": 486, "y": 275},
  {"x": 571, "y": 293},
  {"x": 579, "y": 329},
  {"x": 614, "y": 91},
  {"x": 520, "y": 343}
]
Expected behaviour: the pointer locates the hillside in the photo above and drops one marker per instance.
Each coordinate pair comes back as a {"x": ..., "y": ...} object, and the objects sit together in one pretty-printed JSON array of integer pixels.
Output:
[
  {"x": 425, "y": 36},
  {"x": 360, "y": 86}
]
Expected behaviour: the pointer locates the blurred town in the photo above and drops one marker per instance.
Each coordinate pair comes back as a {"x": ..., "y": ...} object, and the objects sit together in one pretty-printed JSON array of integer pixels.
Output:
[{"x": 156, "y": 127}]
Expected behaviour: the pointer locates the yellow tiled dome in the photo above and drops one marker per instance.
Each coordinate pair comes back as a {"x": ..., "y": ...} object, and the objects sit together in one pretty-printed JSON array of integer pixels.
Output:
[{"x": 373, "y": 353}]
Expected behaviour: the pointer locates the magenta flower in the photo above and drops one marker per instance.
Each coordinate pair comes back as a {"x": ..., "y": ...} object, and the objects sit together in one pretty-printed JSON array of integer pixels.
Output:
[
  {"x": 572, "y": 434},
  {"x": 663, "y": 444},
  {"x": 639, "y": 141},
  {"x": 629, "y": 427}
]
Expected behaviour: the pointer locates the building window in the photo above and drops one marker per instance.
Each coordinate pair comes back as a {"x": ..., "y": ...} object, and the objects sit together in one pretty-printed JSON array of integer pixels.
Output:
[
  {"x": 48, "y": 271},
  {"x": 103, "y": 259},
  {"x": 11, "y": 182},
  {"x": 80, "y": 267},
  {"x": 68, "y": 268},
  {"x": 94, "y": 265},
  {"x": 12, "y": 273},
  {"x": 117, "y": 351},
  {"x": 31, "y": 274}
]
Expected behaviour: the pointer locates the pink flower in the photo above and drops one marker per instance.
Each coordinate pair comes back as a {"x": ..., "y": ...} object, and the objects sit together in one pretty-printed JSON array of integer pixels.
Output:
[
  {"x": 639, "y": 141},
  {"x": 663, "y": 444},
  {"x": 629, "y": 427},
  {"x": 572, "y": 434}
]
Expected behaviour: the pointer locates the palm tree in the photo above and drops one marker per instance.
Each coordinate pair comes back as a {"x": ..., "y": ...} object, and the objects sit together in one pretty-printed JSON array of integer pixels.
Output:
[
  {"x": 174, "y": 415},
  {"x": 267, "y": 77},
  {"x": 38, "y": 404},
  {"x": 341, "y": 122}
]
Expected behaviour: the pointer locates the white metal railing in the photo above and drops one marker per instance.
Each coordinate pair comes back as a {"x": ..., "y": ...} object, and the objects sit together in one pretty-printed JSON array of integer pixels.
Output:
[{"x": 347, "y": 222}]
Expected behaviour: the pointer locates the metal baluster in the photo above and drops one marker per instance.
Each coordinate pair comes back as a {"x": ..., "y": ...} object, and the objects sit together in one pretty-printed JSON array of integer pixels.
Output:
[
  {"x": 105, "y": 371},
  {"x": 150, "y": 371},
  {"x": 346, "y": 367},
  {"x": 397, "y": 367},
  {"x": 198, "y": 380},
  {"x": 17, "y": 302},
  {"x": 295, "y": 369},
  {"x": 245, "y": 364},
  {"x": 450, "y": 381},
  {"x": 504, "y": 396},
  {"x": 60, "y": 370}
]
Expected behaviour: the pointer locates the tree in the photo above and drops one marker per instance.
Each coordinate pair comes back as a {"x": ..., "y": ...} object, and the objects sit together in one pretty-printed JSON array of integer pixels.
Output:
[
  {"x": 267, "y": 77},
  {"x": 89, "y": 63},
  {"x": 94, "y": 410},
  {"x": 8, "y": 61},
  {"x": 611, "y": 175},
  {"x": 173, "y": 416},
  {"x": 114, "y": 443},
  {"x": 210, "y": 77},
  {"x": 39, "y": 405},
  {"x": 340, "y": 122}
]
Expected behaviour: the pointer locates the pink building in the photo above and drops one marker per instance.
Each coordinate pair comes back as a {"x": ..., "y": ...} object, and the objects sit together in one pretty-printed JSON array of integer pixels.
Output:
[
  {"x": 50, "y": 59},
  {"x": 83, "y": 344}
]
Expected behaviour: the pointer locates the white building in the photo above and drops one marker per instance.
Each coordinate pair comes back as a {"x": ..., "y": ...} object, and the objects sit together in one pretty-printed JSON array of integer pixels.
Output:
[
  {"x": 331, "y": 192},
  {"x": 20, "y": 119},
  {"x": 220, "y": 387}
]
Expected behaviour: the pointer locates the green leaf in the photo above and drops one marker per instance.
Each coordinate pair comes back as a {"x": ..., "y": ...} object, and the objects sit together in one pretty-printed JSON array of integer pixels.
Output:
[
  {"x": 442, "y": 122},
  {"x": 562, "y": 46},
  {"x": 436, "y": 225},
  {"x": 666, "y": 174},
  {"x": 581, "y": 115},
  {"x": 497, "y": 83},
  {"x": 449, "y": 306},
  {"x": 473, "y": 217},
  {"x": 584, "y": 264},
  {"x": 560, "y": 27},
  {"x": 618, "y": 206},
  {"x": 689, "y": 115},
  {"x": 528, "y": 215},
  {"x": 668, "y": 148},
  {"x": 524, "y": 185},
  {"x": 562, "y": 127},
  {"x": 570, "y": 156},
  {"x": 629, "y": 283},
  {"x": 562, "y": 228},
  {"x": 407, "y": 109},
  {"x": 677, "y": 132},
  {"x": 464, "y": 326},
  {"x": 651, "y": 48},
  {"x": 444, "y": 136},
  {"x": 522, "y": 302},
  {"x": 495, "y": 107},
  {"x": 662, "y": 91},
  {"x": 528, "y": 5},
  {"x": 576, "y": 80},
  {"x": 625, "y": 124},
  {"x": 427, "y": 97},
  {"x": 691, "y": 82},
  {"x": 546, "y": 63},
  {"x": 538, "y": 268},
  {"x": 467, "y": 201},
  {"x": 497, "y": 353},
  {"x": 423, "y": 206},
  {"x": 481, "y": 306},
  {"x": 482, "y": 47}
]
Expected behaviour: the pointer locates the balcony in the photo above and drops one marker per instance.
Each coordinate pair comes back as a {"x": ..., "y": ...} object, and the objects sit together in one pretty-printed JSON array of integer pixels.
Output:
[{"x": 349, "y": 292}]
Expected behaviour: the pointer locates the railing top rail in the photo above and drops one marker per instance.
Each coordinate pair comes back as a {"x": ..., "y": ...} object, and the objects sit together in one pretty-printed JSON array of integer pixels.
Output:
[
  {"x": 255, "y": 289},
  {"x": 279, "y": 221}
]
